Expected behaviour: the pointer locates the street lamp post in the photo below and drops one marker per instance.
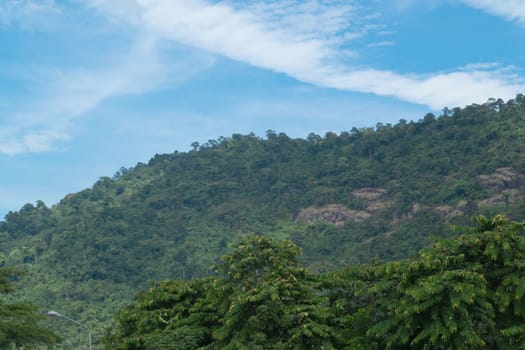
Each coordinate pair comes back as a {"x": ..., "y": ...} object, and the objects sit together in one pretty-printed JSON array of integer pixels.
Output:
[{"x": 56, "y": 314}]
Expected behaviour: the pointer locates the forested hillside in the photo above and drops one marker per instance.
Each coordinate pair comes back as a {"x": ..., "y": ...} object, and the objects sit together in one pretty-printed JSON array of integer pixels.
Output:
[
  {"x": 463, "y": 293},
  {"x": 343, "y": 198}
]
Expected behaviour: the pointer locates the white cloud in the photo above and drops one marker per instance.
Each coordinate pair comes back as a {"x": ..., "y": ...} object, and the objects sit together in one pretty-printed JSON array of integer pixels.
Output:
[
  {"x": 35, "y": 141},
  {"x": 311, "y": 41},
  {"x": 12, "y": 147},
  {"x": 42, "y": 141},
  {"x": 17, "y": 139},
  {"x": 73, "y": 92},
  {"x": 291, "y": 37},
  {"x": 79, "y": 90},
  {"x": 510, "y": 9},
  {"x": 437, "y": 91},
  {"x": 382, "y": 43},
  {"x": 26, "y": 13},
  {"x": 236, "y": 34}
]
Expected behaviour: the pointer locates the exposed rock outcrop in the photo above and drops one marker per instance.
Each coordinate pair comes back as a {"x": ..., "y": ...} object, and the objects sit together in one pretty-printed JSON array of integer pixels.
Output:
[
  {"x": 370, "y": 193},
  {"x": 333, "y": 213},
  {"x": 400, "y": 218},
  {"x": 374, "y": 198},
  {"x": 502, "y": 198},
  {"x": 449, "y": 211},
  {"x": 503, "y": 179},
  {"x": 507, "y": 185}
]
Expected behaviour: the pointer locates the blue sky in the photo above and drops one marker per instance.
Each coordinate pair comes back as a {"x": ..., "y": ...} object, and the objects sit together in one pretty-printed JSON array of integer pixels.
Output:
[{"x": 89, "y": 86}]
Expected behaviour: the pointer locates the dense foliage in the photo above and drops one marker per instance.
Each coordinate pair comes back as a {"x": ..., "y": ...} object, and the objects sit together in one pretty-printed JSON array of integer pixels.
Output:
[
  {"x": 343, "y": 198},
  {"x": 266, "y": 300},
  {"x": 20, "y": 322},
  {"x": 462, "y": 293}
]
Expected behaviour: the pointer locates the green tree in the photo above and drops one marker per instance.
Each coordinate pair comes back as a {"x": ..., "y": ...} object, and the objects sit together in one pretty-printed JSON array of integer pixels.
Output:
[
  {"x": 264, "y": 301},
  {"x": 178, "y": 315},
  {"x": 19, "y": 322},
  {"x": 462, "y": 293},
  {"x": 273, "y": 303}
]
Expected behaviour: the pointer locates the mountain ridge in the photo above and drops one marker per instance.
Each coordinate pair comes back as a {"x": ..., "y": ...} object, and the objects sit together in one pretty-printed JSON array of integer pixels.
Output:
[{"x": 363, "y": 194}]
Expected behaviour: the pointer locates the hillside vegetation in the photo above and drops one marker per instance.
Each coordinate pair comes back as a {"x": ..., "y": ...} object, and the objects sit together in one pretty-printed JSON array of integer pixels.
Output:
[
  {"x": 376, "y": 193},
  {"x": 462, "y": 293}
]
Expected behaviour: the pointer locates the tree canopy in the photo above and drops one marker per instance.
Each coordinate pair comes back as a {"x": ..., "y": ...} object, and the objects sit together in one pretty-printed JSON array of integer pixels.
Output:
[
  {"x": 466, "y": 292},
  {"x": 20, "y": 322},
  {"x": 264, "y": 300}
]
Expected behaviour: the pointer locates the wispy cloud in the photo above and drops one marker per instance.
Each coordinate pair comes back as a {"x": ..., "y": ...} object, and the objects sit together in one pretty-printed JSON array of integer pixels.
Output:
[
  {"x": 457, "y": 88},
  {"x": 313, "y": 41},
  {"x": 510, "y": 9},
  {"x": 286, "y": 37},
  {"x": 26, "y": 13},
  {"x": 72, "y": 92},
  {"x": 68, "y": 93},
  {"x": 382, "y": 43}
]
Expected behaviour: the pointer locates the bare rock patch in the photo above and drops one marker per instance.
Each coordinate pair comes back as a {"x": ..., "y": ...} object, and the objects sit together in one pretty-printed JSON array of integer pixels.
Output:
[
  {"x": 502, "y": 179},
  {"x": 333, "y": 213}
]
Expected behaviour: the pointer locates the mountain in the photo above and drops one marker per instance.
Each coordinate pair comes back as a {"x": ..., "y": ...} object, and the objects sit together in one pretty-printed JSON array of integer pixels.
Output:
[{"x": 373, "y": 193}]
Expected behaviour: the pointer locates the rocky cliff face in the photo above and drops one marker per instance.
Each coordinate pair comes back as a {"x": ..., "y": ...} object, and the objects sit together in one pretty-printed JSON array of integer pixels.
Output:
[
  {"x": 373, "y": 199},
  {"x": 503, "y": 179},
  {"x": 505, "y": 185},
  {"x": 334, "y": 213}
]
